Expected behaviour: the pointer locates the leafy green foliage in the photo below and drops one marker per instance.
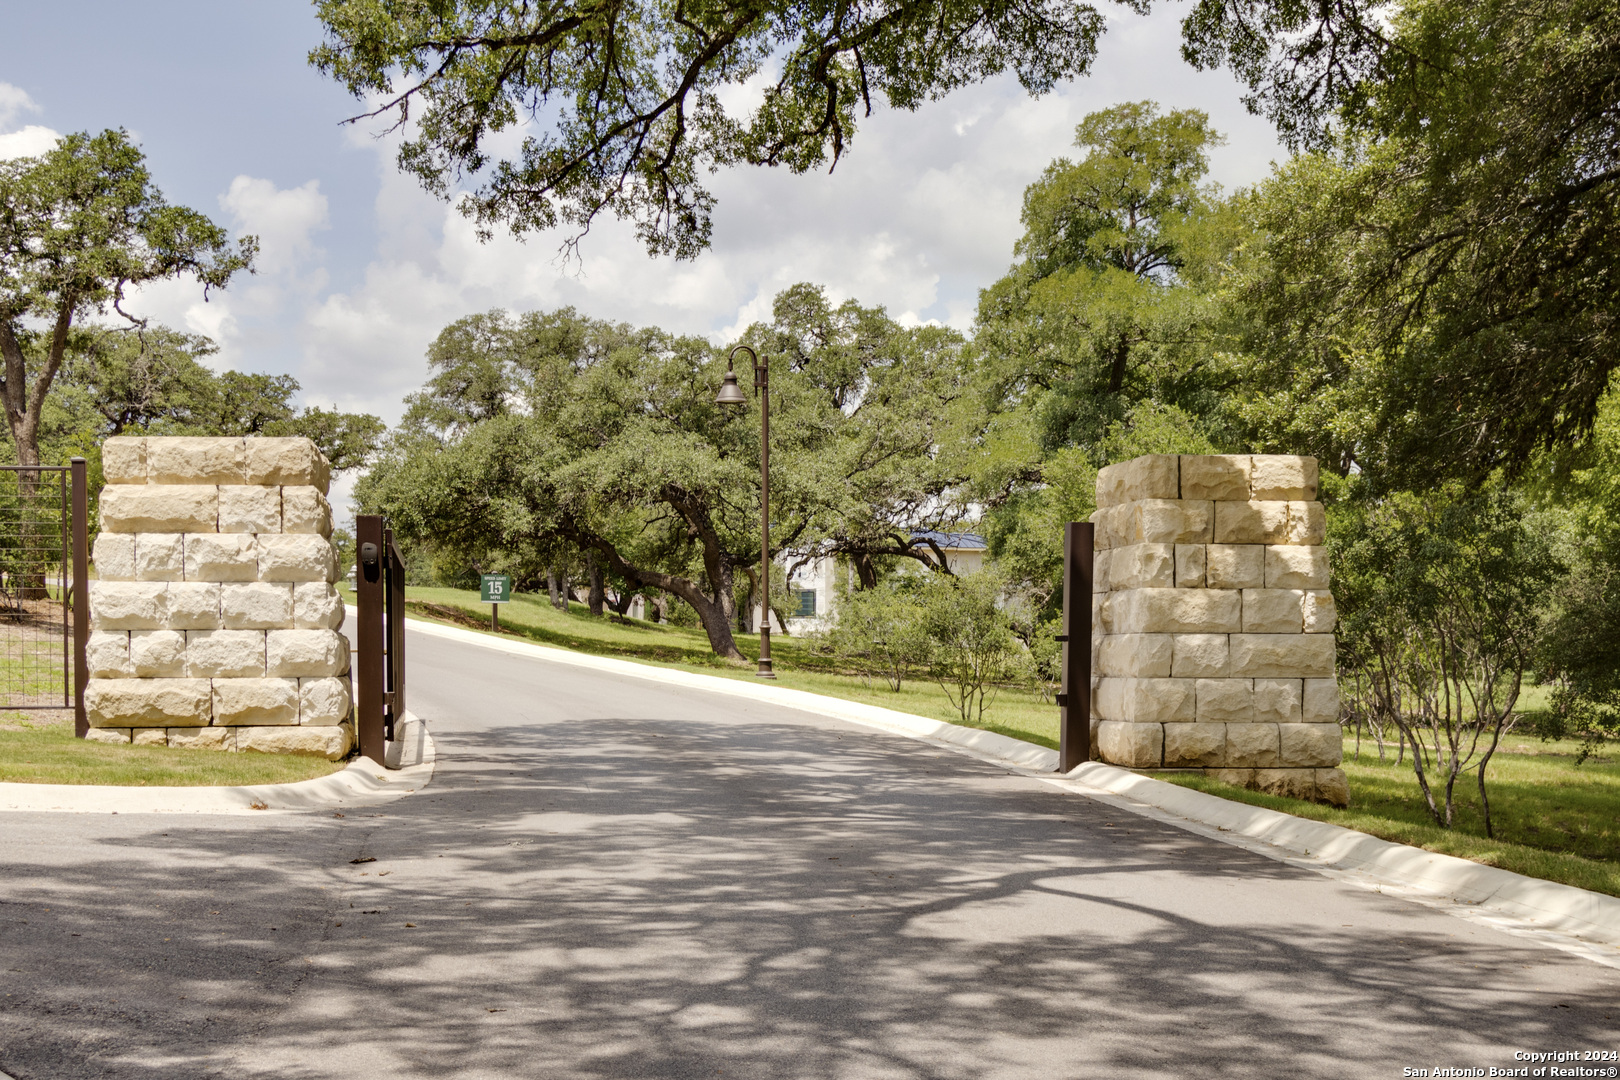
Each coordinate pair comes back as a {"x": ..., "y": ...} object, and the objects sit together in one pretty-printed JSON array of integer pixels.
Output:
[
  {"x": 880, "y": 631},
  {"x": 974, "y": 649}
]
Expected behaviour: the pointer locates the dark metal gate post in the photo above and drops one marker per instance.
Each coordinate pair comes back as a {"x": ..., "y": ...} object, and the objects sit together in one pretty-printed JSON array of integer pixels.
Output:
[
  {"x": 1074, "y": 702},
  {"x": 370, "y": 674},
  {"x": 394, "y": 612},
  {"x": 81, "y": 592}
]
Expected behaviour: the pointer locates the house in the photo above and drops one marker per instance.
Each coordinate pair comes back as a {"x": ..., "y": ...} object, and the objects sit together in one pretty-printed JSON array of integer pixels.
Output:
[{"x": 814, "y": 587}]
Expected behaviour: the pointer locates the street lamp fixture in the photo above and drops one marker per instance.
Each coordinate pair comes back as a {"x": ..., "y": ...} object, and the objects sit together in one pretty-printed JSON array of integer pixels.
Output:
[{"x": 732, "y": 395}]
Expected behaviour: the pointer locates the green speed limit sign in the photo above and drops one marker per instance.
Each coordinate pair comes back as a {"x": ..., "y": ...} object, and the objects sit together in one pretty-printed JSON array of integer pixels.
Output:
[{"x": 495, "y": 589}]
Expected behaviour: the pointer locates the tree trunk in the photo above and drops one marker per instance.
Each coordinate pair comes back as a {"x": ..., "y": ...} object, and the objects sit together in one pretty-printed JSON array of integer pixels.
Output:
[
  {"x": 598, "y": 588},
  {"x": 865, "y": 570},
  {"x": 551, "y": 588},
  {"x": 622, "y": 599}
]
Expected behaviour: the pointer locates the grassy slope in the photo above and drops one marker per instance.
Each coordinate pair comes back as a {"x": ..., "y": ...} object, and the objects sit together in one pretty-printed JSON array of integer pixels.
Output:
[
  {"x": 1553, "y": 820},
  {"x": 33, "y": 751}
]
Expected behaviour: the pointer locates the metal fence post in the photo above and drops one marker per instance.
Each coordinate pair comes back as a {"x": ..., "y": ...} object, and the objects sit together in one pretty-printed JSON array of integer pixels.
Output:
[
  {"x": 1074, "y": 702},
  {"x": 396, "y": 634},
  {"x": 370, "y": 673},
  {"x": 81, "y": 592}
]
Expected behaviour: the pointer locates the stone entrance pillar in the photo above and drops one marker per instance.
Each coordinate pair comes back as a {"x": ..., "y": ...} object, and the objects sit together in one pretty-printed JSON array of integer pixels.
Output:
[{"x": 1214, "y": 622}]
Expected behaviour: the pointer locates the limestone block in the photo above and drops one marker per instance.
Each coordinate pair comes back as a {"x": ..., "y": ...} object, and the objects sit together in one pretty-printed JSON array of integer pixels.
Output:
[
  {"x": 1152, "y": 476},
  {"x": 296, "y": 557},
  {"x": 113, "y": 735},
  {"x": 1317, "y": 745},
  {"x": 1102, "y": 612},
  {"x": 323, "y": 702},
  {"x": 249, "y": 508},
  {"x": 294, "y": 461},
  {"x": 239, "y": 702},
  {"x": 159, "y": 557},
  {"x": 1194, "y": 745},
  {"x": 327, "y": 742},
  {"x": 114, "y": 556},
  {"x": 1253, "y": 746},
  {"x": 1224, "y": 700},
  {"x": 1282, "y": 476},
  {"x": 1190, "y": 566},
  {"x": 221, "y": 556},
  {"x": 317, "y": 606},
  {"x": 1243, "y": 778},
  {"x": 1219, "y": 477},
  {"x": 1288, "y": 783},
  {"x": 1251, "y": 523},
  {"x": 1307, "y": 523},
  {"x": 123, "y": 460},
  {"x": 157, "y": 654},
  {"x": 1273, "y": 611},
  {"x": 1170, "y": 521},
  {"x": 1321, "y": 616},
  {"x": 225, "y": 654},
  {"x": 305, "y": 510},
  {"x": 1134, "y": 656},
  {"x": 1296, "y": 567},
  {"x": 1236, "y": 566},
  {"x": 193, "y": 605},
  {"x": 1101, "y": 561},
  {"x": 106, "y": 655},
  {"x": 1332, "y": 787},
  {"x": 176, "y": 508},
  {"x": 1142, "y": 566},
  {"x": 175, "y": 459},
  {"x": 1321, "y": 705},
  {"x": 1103, "y": 533},
  {"x": 1135, "y": 746},
  {"x": 154, "y": 736},
  {"x": 1177, "y": 611},
  {"x": 1146, "y": 701},
  {"x": 1200, "y": 656},
  {"x": 128, "y": 605},
  {"x": 1278, "y": 701},
  {"x": 202, "y": 738},
  {"x": 257, "y": 605},
  {"x": 147, "y": 702},
  {"x": 1282, "y": 656},
  {"x": 299, "y": 653}
]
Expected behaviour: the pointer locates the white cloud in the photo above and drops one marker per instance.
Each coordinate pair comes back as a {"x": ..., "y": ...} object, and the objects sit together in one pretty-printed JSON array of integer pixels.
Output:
[
  {"x": 31, "y": 141},
  {"x": 284, "y": 220},
  {"x": 14, "y": 100}
]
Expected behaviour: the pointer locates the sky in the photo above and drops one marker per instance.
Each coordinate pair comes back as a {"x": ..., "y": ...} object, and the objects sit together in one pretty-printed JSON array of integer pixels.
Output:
[{"x": 360, "y": 269}]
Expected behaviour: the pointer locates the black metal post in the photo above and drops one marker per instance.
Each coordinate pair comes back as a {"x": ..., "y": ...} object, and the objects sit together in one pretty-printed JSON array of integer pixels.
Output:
[
  {"x": 81, "y": 592},
  {"x": 1074, "y": 701},
  {"x": 370, "y": 675},
  {"x": 762, "y": 382},
  {"x": 396, "y": 633}
]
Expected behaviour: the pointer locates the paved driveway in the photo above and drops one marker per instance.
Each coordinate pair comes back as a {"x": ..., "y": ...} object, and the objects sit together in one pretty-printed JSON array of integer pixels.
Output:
[{"x": 606, "y": 879}]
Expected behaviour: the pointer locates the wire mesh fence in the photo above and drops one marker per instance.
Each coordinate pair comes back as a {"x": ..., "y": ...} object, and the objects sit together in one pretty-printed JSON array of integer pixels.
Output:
[{"x": 35, "y": 589}]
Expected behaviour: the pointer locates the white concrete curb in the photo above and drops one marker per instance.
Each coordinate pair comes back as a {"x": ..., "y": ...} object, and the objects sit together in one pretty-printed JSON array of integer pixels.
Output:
[
  {"x": 1589, "y": 916},
  {"x": 362, "y": 783}
]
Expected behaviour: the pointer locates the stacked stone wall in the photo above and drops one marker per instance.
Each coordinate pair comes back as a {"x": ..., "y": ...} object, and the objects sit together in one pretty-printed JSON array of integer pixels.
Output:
[
  {"x": 214, "y": 618},
  {"x": 1213, "y": 622}
]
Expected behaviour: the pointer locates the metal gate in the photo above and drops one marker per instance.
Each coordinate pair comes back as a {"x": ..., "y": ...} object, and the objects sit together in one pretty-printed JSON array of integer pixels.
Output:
[
  {"x": 44, "y": 619},
  {"x": 379, "y": 594}
]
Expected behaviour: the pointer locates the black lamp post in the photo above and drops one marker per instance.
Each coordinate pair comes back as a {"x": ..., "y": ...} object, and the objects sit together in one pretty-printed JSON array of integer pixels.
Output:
[{"x": 732, "y": 395}]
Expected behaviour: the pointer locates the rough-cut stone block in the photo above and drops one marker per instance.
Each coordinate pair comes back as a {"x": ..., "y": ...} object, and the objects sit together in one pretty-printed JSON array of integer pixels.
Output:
[
  {"x": 1152, "y": 476},
  {"x": 181, "y": 459},
  {"x": 1243, "y": 778},
  {"x": 193, "y": 605},
  {"x": 157, "y": 654},
  {"x": 1273, "y": 611},
  {"x": 114, "y": 556},
  {"x": 1282, "y": 656},
  {"x": 1190, "y": 746},
  {"x": 317, "y": 606},
  {"x": 155, "y": 736},
  {"x": 1146, "y": 701},
  {"x": 221, "y": 557},
  {"x": 1200, "y": 656},
  {"x": 239, "y": 702},
  {"x": 1251, "y": 523},
  {"x": 330, "y": 743},
  {"x": 323, "y": 702},
  {"x": 1307, "y": 523},
  {"x": 1321, "y": 701},
  {"x": 159, "y": 557},
  {"x": 147, "y": 702},
  {"x": 123, "y": 460},
  {"x": 1134, "y": 656},
  {"x": 1102, "y": 519},
  {"x": 1224, "y": 700},
  {"x": 305, "y": 510},
  {"x": 1135, "y": 746},
  {"x": 178, "y": 508},
  {"x": 297, "y": 557},
  {"x": 1287, "y": 783},
  {"x": 1317, "y": 745},
  {"x": 1296, "y": 567},
  {"x": 1142, "y": 566},
  {"x": 1190, "y": 566},
  {"x": 294, "y": 461},
  {"x": 202, "y": 738},
  {"x": 301, "y": 653},
  {"x": 257, "y": 605},
  {"x": 1235, "y": 566},
  {"x": 128, "y": 605},
  {"x": 1277, "y": 701},
  {"x": 1171, "y": 521},
  {"x": 1282, "y": 476},
  {"x": 1177, "y": 611},
  {"x": 114, "y": 735},
  {"x": 1102, "y": 612},
  {"x": 1101, "y": 561},
  {"x": 1321, "y": 616},
  {"x": 225, "y": 654},
  {"x": 1253, "y": 746},
  {"x": 1219, "y": 477},
  {"x": 1332, "y": 787},
  {"x": 248, "y": 508},
  {"x": 106, "y": 655}
]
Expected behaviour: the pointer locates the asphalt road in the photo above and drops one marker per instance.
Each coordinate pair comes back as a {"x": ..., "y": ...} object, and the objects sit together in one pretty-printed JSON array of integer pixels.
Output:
[{"x": 606, "y": 880}]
